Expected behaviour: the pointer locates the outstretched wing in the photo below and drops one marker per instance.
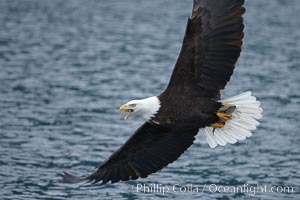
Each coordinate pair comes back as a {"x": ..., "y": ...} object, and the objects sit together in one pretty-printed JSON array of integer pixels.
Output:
[
  {"x": 148, "y": 150},
  {"x": 211, "y": 47}
]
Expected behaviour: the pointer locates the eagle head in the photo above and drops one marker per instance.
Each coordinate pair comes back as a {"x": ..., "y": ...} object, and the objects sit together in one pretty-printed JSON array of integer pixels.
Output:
[{"x": 147, "y": 107}]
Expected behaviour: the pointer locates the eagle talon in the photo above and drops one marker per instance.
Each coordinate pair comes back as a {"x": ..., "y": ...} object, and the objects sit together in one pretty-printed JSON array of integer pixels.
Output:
[
  {"x": 218, "y": 125},
  {"x": 223, "y": 116},
  {"x": 214, "y": 131}
]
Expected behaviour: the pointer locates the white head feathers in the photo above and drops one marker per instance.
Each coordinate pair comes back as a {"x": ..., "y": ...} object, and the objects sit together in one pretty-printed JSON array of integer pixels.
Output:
[{"x": 146, "y": 107}]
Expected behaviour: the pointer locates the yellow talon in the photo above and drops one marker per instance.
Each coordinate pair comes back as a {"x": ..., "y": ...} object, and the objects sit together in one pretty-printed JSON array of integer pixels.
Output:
[
  {"x": 223, "y": 116},
  {"x": 218, "y": 125}
]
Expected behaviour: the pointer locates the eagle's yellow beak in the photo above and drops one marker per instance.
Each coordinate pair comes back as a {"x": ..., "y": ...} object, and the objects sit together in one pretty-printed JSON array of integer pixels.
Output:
[{"x": 125, "y": 107}]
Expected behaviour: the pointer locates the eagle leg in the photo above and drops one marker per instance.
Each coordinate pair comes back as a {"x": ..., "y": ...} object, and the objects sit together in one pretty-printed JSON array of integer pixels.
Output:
[{"x": 223, "y": 116}]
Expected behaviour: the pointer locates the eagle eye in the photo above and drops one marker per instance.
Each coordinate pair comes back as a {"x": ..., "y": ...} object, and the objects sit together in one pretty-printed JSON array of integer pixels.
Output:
[{"x": 132, "y": 105}]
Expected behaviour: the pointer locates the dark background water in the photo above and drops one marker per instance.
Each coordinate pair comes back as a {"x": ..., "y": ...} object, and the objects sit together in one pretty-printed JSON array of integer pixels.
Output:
[{"x": 66, "y": 67}]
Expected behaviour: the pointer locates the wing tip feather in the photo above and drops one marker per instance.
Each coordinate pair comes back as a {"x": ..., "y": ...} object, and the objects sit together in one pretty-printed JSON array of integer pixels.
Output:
[{"x": 70, "y": 178}]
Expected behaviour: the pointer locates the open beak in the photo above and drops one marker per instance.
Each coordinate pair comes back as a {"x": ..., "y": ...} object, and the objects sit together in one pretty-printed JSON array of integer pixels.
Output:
[{"x": 125, "y": 107}]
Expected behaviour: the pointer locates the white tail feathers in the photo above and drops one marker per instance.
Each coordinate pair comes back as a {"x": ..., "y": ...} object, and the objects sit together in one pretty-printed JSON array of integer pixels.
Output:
[{"x": 243, "y": 121}]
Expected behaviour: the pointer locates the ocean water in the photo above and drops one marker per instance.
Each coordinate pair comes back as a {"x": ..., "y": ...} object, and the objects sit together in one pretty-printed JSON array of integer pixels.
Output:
[{"x": 67, "y": 66}]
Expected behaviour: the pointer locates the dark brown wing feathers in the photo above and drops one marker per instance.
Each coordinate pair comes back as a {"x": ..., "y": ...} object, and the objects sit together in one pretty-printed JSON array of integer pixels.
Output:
[
  {"x": 211, "y": 47},
  {"x": 149, "y": 149}
]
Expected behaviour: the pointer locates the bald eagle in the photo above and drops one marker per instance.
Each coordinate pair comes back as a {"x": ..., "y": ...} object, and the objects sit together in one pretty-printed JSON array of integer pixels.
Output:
[{"x": 191, "y": 101}]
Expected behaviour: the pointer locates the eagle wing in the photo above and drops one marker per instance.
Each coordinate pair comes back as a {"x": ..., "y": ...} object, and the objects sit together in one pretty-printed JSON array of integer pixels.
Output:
[
  {"x": 211, "y": 47},
  {"x": 148, "y": 150}
]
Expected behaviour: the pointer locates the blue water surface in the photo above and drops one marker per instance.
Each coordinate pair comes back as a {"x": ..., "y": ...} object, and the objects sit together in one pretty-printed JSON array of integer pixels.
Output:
[{"x": 67, "y": 65}]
